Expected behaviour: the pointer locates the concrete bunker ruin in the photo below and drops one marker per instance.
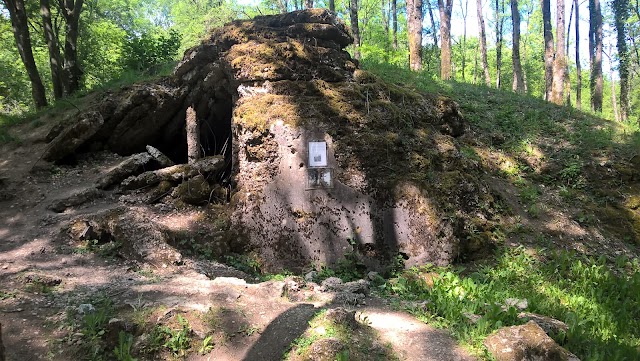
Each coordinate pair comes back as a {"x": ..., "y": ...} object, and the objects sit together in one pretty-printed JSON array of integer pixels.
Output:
[{"x": 264, "y": 89}]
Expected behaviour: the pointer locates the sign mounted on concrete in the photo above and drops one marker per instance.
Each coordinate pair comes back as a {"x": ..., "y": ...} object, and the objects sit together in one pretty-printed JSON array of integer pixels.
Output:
[
  {"x": 317, "y": 154},
  {"x": 318, "y": 174},
  {"x": 319, "y": 178}
]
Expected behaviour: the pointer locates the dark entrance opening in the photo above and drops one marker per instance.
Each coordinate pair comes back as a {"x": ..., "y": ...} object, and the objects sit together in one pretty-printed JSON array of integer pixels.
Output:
[{"x": 214, "y": 112}]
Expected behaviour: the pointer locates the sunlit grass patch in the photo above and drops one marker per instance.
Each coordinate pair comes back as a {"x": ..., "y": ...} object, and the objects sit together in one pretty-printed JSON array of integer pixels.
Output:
[{"x": 601, "y": 306}]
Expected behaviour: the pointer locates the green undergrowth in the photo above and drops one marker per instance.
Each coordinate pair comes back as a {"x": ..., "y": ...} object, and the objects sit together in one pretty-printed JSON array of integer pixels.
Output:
[
  {"x": 522, "y": 120},
  {"x": 601, "y": 306}
]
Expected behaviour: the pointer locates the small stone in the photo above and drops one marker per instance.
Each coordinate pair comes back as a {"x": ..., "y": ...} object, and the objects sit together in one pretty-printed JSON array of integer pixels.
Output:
[
  {"x": 520, "y": 304},
  {"x": 311, "y": 276},
  {"x": 86, "y": 308}
]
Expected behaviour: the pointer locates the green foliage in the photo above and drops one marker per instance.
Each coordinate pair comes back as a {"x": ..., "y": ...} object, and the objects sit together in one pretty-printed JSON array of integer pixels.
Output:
[
  {"x": 207, "y": 345},
  {"x": 600, "y": 306},
  {"x": 149, "y": 50},
  {"x": 349, "y": 268},
  {"x": 178, "y": 341},
  {"x": 122, "y": 351}
]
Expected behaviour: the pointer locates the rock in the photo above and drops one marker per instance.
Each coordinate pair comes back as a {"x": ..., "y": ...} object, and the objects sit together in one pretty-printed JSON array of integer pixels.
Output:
[
  {"x": 75, "y": 199},
  {"x": 331, "y": 284},
  {"x": 520, "y": 304},
  {"x": 162, "y": 159},
  {"x": 325, "y": 349},
  {"x": 291, "y": 284},
  {"x": 550, "y": 325},
  {"x": 311, "y": 276},
  {"x": 73, "y": 136},
  {"x": 527, "y": 342},
  {"x": 85, "y": 308},
  {"x": 54, "y": 132},
  {"x": 341, "y": 316},
  {"x": 133, "y": 164},
  {"x": 349, "y": 299},
  {"x": 116, "y": 325},
  {"x": 193, "y": 191},
  {"x": 335, "y": 284},
  {"x": 175, "y": 173}
]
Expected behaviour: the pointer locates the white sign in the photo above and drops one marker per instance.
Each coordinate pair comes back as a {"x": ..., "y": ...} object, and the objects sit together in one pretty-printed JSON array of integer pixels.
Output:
[{"x": 317, "y": 154}]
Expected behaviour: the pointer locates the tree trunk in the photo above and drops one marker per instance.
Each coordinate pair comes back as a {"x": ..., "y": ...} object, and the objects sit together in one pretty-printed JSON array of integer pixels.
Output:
[
  {"x": 464, "y": 11},
  {"x": 355, "y": 28},
  {"x": 434, "y": 33},
  {"x": 414, "y": 28},
  {"x": 445, "y": 38},
  {"x": 621, "y": 15},
  {"x": 499, "y": 26},
  {"x": 483, "y": 44},
  {"x": 560, "y": 61},
  {"x": 193, "y": 136},
  {"x": 332, "y": 5},
  {"x": 394, "y": 11},
  {"x": 595, "y": 54},
  {"x": 548, "y": 49},
  {"x": 71, "y": 10},
  {"x": 614, "y": 102},
  {"x": 308, "y": 4},
  {"x": 475, "y": 68},
  {"x": 55, "y": 61},
  {"x": 567, "y": 79},
  {"x": 518, "y": 78},
  {"x": 578, "y": 67},
  {"x": 384, "y": 9},
  {"x": 20, "y": 26}
]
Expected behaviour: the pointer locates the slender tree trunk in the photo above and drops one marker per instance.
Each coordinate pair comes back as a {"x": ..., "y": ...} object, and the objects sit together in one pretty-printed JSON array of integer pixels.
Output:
[
  {"x": 384, "y": 9},
  {"x": 614, "y": 102},
  {"x": 567, "y": 78},
  {"x": 595, "y": 54},
  {"x": 548, "y": 49},
  {"x": 55, "y": 61},
  {"x": 560, "y": 61},
  {"x": 434, "y": 32},
  {"x": 193, "y": 136},
  {"x": 332, "y": 5},
  {"x": 464, "y": 10},
  {"x": 518, "y": 78},
  {"x": 621, "y": 15},
  {"x": 355, "y": 28},
  {"x": 414, "y": 27},
  {"x": 483, "y": 44},
  {"x": 71, "y": 10},
  {"x": 445, "y": 38},
  {"x": 308, "y": 4},
  {"x": 394, "y": 11},
  {"x": 578, "y": 66},
  {"x": 475, "y": 68},
  {"x": 499, "y": 26},
  {"x": 20, "y": 26}
]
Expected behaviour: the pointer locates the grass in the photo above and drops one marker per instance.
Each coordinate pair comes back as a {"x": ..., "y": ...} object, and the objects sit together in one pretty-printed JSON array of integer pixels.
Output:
[
  {"x": 356, "y": 344},
  {"x": 600, "y": 306}
]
